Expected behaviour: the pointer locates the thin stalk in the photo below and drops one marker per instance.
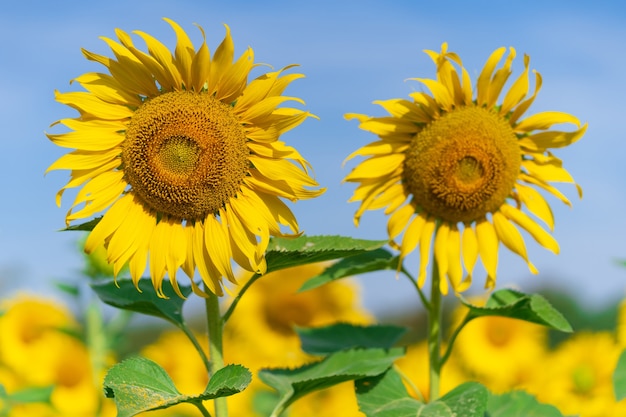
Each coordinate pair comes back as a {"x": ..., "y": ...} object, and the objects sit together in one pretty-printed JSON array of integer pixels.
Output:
[
  {"x": 243, "y": 289},
  {"x": 434, "y": 333},
  {"x": 196, "y": 344},
  {"x": 411, "y": 278},
  {"x": 216, "y": 327},
  {"x": 406, "y": 379},
  {"x": 448, "y": 351},
  {"x": 203, "y": 410}
]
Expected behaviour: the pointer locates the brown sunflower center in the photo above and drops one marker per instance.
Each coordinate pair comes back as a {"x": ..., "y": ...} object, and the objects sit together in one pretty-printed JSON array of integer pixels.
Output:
[
  {"x": 185, "y": 154},
  {"x": 463, "y": 166}
]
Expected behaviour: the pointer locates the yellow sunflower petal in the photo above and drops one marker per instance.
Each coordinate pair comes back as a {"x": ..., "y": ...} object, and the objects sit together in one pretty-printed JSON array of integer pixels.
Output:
[
  {"x": 184, "y": 53},
  {"x": 469, "y": 248},
  {"x": 425, "y": 244},
  {"x": 511, "y": 238},
  {"x": 545, "y": 120},
  {"x": 521, "y": 219},
  {"x": 536, "y": 204},
  {"x": 553, "y": 139},
  {"x": 441, "y": 255},
  {"x": 455, "y": 270},
  {"x": 484, "y": 79},
  {"x": 218, "y": 246},
  {"x": 109, "y": 223},
  {"x": 222, "y": 60},
  {"x": 201, "y": 65},
  {"x": 488, "y": 249},
  {"x": 518, "y": 90},
  {"x": 91, "y": 106},
  {"x": 399, "y": 220},
  {"x": 411, "y": 237},
  {"x": 524, "y": 105}
]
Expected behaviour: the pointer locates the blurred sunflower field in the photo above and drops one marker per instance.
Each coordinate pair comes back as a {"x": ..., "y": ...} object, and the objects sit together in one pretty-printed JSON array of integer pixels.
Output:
[{"x": 54, "y": 355}]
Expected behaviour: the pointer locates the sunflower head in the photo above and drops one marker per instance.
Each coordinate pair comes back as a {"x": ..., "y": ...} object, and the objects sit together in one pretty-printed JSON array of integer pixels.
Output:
[
  {"x": 182, "y": 154},
  {"x": 455, "y": 167}
]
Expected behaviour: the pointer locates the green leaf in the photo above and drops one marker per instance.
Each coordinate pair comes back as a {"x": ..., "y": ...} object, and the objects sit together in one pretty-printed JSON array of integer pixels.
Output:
[
  {"x": 125, "y": 296},
  {"x": 289, "y": 252},
  {"x": 619, "y": 378},
  {"x": 468, "y": 400},
  {"x": 374, "y": 260},
  {"x": 344, "y": 336},
  {"x": 28, "y": 395},
  {"x": 138, "y": 385},
  {"x": 513, "y": 304},
  {"x": 519, "y": 404},
  {"x": 83, "y": 227},
  {"x": 386, "y": 396},
  {"x": 338, "y": 367}
]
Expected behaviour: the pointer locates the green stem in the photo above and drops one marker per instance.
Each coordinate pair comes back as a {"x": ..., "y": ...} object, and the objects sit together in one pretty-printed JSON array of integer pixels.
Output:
[
  {"x": 216, "y": 327},
  {"x": 448, "y": 351},
  {"x": 203, "y": 410},
  {"x": 434, "y": 333},
  {"x": 243, "y": 289},
  {"x": 196, "y": 344},
  {"x": 406, "y": 379},
  {"x": 423, "y": 298}
]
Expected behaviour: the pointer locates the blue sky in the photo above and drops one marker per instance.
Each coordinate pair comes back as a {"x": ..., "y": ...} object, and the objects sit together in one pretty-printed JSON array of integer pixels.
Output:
[{"x": 352, "y": 52}]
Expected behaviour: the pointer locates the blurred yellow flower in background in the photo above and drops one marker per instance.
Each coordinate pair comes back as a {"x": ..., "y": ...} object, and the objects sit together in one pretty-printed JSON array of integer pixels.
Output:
[
  {"x": 183, "y": 154},
  {"x": 578, "y": 376},
  {"x": 37, "y": 349},
  {"x": 501, "y": 352},
  {"x": 457, "y": 167}
]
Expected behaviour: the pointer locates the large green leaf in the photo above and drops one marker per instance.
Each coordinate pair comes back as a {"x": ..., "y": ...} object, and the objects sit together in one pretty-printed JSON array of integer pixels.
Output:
[
  {"x": 125, "y": 296},
  {"x": 619, "y": 378},
  {"x": 385, "y": 396},
  {"x": 289, "y": 252},
  {"x": 344, "y": 336},
  {"x": 513, "y": 304},
  {"x": 519, "y": 404},
  {"x": 374, "y": 260},
  {"x": 138, "y": 385},
  {"x": 338, "y": 367}
]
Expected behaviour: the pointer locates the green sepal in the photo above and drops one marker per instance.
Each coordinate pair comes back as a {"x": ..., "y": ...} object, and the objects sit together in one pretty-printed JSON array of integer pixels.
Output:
[
  {"x": 532, "y": 308},
  {"x": 123, "y": 295},
  {"x": 138, "y": 384},
  {"x": 289, "y": 252},
  {"x": 334, "y": 369},
  {"x": 375, "y": 260},
  {"x": 344, "y": 336},
  {"x": 84, "y": 227}
]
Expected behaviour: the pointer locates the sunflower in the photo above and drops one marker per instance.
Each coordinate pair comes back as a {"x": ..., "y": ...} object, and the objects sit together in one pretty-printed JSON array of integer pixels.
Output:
[
  {"x": 457, "y": 168},
  {"x": 183, "y": 153}
]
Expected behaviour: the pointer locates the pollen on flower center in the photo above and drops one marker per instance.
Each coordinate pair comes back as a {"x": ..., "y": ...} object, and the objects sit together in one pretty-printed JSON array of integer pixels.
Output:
[
  {"x": 463, "y": 165},
  {"x": 185, "y": 154}
]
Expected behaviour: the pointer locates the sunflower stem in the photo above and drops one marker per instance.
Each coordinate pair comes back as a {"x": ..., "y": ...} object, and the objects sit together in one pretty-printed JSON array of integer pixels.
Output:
[
  {"x": 434, "y": 333},
  {"x": 216, "y": 326},
  {"x": 203, "y": 410},
  {"x": 194, "y": 340},
  {"x": 242, "y": 291},
  {"x": 448, "y": 351}
]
